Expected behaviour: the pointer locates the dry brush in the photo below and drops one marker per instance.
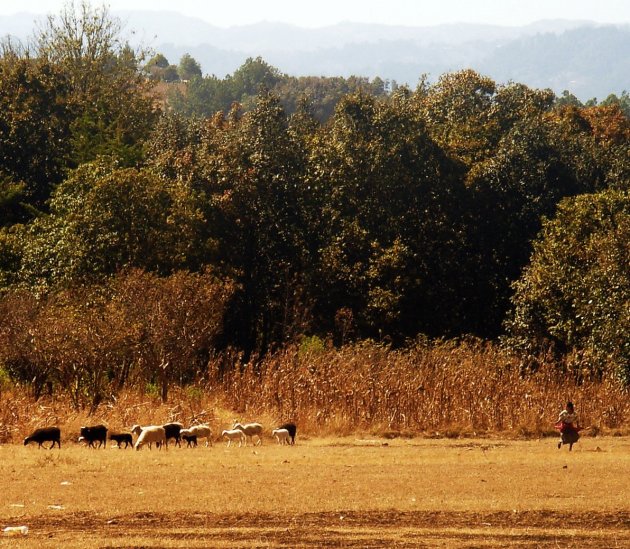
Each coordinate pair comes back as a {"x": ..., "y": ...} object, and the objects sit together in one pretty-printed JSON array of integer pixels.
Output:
[
  {"x": 447, "y": 388},
  {"x": 426, "y": 389}
]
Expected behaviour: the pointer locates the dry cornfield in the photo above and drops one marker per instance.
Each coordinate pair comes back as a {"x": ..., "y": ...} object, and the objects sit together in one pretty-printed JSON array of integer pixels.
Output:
[{"x": 444, "y": 389}]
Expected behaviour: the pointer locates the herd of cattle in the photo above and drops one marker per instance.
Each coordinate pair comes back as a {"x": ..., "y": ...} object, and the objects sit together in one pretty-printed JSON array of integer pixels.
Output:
[{"x": 161, "y": 434}]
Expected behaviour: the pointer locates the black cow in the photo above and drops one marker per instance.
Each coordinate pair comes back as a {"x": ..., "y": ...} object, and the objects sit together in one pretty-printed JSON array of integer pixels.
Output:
[
  {"x": 97, "y": 433},
  {"x": 119, "y": 438},
  {"x": 191, "y": 440},
  {"x": 172, "y": 430},
  {"x": 45, "y": 434},
  {"x": 292, "y": 428}
]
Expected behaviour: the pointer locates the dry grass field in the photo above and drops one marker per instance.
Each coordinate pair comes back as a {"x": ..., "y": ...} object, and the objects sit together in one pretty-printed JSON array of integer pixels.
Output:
[
  {"x": 396, "y": 448},
  {"x": 323, "y": 492}
]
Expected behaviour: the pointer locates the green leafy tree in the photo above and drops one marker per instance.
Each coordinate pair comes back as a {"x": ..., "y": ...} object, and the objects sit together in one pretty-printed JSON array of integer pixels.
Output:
[
  {"x": 253, "y": 76},
  {"x": 390, "y": 236},
  {"x": 514, "y": 103},
  {"x": 175, "y": 146},
  {"x": 567, "y": 99},
  {"x": 12, "y": 195},
  {"x": 104, "y": 219},
  {"x": 324, "y": 92},
  {"x": 207, "y": 95},
  {"x": 576, "y": 291},
  {"x": 604, "y": 135},
  {"x": 622, "y": 101},
  {"x": 170, "y": 74},
  {"x": 203, "y": 97},
  {"x": 405, "y": 223},
  {"x": 249, "y": 171},
  {"x": 34, "y": 132},
  {"x": 159, "y": 61},
  {"x": 188, "y": 68},
  {"x": 260, "y": 224},
  {"x": 111, "y": 101},
  {"x": 458, "y": 112},
  {"x": 510, "y": 192},
  {"x": 468, "y": 114},
  {"x": 160, "y": 69},
  {"x": 537, "y": 156}
]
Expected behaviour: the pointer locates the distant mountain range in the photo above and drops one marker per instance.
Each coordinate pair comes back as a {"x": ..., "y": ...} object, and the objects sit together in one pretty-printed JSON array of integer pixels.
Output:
[{"x": 588, "y": 59}]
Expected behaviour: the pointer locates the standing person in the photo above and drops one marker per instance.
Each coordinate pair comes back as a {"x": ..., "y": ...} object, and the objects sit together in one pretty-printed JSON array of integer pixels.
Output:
[{"x": 569, "y": 426}]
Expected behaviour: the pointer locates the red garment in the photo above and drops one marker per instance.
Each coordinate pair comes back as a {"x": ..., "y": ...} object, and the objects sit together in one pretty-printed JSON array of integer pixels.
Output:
[{"x": 565, "y": 427}]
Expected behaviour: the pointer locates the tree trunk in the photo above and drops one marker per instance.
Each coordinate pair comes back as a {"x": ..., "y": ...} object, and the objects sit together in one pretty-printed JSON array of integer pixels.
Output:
[{"x": 164, "y": 386}]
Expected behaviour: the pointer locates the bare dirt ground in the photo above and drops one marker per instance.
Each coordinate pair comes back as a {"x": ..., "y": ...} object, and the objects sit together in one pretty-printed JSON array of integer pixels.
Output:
[{"x": 322, "y": 493}]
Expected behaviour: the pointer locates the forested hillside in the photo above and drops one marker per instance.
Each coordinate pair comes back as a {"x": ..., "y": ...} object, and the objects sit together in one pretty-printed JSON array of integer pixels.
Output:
[{"x": 259, "y": 211}]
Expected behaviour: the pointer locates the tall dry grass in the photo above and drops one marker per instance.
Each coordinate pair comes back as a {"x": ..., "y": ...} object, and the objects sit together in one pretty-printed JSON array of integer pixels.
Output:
[
  {"x": 438, "y": 389},
  {"x": 444, "y": 388}
]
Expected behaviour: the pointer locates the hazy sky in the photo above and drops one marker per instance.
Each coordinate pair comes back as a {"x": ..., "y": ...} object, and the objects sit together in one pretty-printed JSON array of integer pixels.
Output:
[{"x": 324, "y": 12}]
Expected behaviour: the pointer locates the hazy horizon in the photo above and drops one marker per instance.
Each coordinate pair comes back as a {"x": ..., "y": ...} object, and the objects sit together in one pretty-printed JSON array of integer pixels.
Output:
[
  {"x": 390, "y": 12},
  {"x": 544, "y": 49}
]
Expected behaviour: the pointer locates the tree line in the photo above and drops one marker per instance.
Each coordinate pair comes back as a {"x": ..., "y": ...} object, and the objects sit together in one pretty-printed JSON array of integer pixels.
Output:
[
  {"x": 206, "y": 95},
  {"x": 136, "y": 243}
]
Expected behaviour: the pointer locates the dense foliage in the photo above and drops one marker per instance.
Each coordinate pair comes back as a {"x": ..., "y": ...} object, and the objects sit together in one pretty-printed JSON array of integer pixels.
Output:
[
  {"x": 205, "y": 96},
  {"x": 94, "y": 340},
  {"x": 404, "y": 213},
  {"x": 34, "y": 132},
  {"x": 575, "y": 292}
]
